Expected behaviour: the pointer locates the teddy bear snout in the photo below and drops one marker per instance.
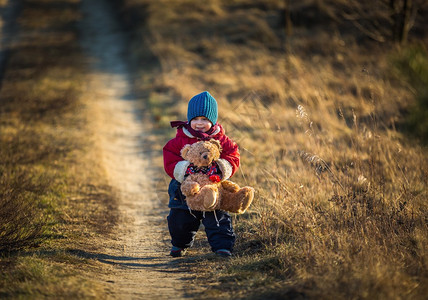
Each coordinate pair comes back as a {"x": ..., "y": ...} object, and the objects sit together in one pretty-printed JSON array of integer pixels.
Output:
[{"x": 206, "y": 157}]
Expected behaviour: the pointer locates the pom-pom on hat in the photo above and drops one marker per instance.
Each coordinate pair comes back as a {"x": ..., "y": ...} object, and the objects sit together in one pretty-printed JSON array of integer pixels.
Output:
[{"x": 202, "y": 105}]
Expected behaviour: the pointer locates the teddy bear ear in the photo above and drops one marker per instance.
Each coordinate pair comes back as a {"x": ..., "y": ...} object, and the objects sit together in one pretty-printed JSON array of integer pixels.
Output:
[
  {"x": 217, "y": 143},
  {"x": 185, "y": 150}
]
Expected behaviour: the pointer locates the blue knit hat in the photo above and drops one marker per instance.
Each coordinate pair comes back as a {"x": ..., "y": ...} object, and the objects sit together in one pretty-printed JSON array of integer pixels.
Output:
[{"x": 202, "y": 105}]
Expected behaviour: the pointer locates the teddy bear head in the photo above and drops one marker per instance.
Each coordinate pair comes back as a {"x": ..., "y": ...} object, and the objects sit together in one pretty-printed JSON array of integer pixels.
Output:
[{"x": 203, "y": 153}]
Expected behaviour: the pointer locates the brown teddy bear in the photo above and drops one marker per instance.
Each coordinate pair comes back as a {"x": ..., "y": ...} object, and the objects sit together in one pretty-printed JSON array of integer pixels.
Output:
[{"x": 206, "y": 192}]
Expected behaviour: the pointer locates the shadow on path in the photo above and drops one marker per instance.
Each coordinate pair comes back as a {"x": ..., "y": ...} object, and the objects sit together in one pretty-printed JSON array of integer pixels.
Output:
[{"x": 126, "y": 261}]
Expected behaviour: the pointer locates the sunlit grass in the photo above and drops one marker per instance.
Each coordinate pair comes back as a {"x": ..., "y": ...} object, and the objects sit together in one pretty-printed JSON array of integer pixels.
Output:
[
  {"x": 340, "y": 210},
  {"x": 31, "y": 276},
  {"x": 53, "y": 192}
]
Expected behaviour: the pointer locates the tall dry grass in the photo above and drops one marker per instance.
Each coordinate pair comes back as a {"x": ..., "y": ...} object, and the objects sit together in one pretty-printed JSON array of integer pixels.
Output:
[
  {"x": 341, "y": 207},
  {"x": 39, "y": 92},
  {"x": 50, "y": 200}
]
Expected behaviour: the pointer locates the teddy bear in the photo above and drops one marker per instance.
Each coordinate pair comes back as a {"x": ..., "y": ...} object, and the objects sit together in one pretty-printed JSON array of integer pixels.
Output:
[{"x": 206, "y": 191}]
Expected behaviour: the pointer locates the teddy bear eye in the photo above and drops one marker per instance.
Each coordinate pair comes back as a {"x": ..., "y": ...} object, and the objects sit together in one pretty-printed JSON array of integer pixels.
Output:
[{"x": 200, "y": 153}]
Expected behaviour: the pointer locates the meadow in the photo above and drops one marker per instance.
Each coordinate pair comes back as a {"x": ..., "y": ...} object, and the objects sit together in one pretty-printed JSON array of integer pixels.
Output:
[
  {"x": 50, "y": 201},
  {"x": 325, "y": 119},
  {"x": 330, "y": 118}
]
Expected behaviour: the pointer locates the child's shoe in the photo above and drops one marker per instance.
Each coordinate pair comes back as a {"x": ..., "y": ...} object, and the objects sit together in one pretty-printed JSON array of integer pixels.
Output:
[
  {"x": 223, "y": 253},
  {"x": 177, "y": 252}
]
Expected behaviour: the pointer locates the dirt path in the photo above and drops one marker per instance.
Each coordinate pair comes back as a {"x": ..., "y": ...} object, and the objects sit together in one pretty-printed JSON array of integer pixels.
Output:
[{"x": 137, "y": 263}]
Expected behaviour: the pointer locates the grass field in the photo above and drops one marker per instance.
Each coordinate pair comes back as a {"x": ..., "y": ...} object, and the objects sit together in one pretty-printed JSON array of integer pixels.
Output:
[
  {"x": 320, "y": 116},
  {"x": 49, "y": 198},
  {"x": 331, "y": 126}
]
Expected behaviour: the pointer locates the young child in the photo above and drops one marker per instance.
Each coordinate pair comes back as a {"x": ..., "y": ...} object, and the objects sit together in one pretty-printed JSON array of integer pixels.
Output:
[{"x": 183, "y": 223}]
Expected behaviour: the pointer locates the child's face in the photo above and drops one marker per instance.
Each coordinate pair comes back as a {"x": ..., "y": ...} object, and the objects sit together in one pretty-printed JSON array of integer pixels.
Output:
[{"x": 201, "y": 124}]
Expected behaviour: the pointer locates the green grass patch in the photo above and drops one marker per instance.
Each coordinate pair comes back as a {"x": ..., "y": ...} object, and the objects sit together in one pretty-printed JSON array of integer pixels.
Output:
[{"x": 411, "y": 64}]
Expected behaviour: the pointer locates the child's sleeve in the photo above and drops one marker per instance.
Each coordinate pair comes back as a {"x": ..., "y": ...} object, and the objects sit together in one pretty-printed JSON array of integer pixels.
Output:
[
  {"x": 229, "y": 158},
  {"x": 175, "y": 166}
]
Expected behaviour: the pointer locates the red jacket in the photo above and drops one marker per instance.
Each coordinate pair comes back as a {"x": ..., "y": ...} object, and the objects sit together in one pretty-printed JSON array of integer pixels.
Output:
[{"x": 176, "y": 167}]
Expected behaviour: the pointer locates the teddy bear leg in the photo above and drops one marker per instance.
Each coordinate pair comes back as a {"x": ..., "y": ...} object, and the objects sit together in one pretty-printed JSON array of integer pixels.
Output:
[
  {"x": 238, "y": 202},
  {"x": 209, "y": 196},
  {"x": 195, "y": 202},
  {"x": 247, "y": 194},
  {"x": 230, "y": 186}
]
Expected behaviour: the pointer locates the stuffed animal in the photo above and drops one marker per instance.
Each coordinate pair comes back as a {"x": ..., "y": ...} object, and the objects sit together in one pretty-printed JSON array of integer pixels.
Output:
[{"x": 204, "y": 190}]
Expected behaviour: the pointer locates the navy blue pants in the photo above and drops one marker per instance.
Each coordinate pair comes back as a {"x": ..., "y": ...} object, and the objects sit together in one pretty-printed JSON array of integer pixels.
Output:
[{"x": 183, "y": 227}]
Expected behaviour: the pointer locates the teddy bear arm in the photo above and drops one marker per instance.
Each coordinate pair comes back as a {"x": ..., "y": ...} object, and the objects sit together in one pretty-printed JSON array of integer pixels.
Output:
[{"x": 190, "y": 187}]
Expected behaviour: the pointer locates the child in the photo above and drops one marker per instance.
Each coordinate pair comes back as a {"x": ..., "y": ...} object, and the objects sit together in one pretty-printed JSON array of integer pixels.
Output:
[{"x": 183, "y": 223}]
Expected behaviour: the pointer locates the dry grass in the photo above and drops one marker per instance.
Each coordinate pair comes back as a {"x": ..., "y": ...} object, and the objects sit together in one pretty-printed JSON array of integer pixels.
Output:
[
  {"x": 341, "y": 206},
  {"x": 35, "y": 95},
  {"x": 21, "y": 214},
  {"x": 50, "y": 201}
]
